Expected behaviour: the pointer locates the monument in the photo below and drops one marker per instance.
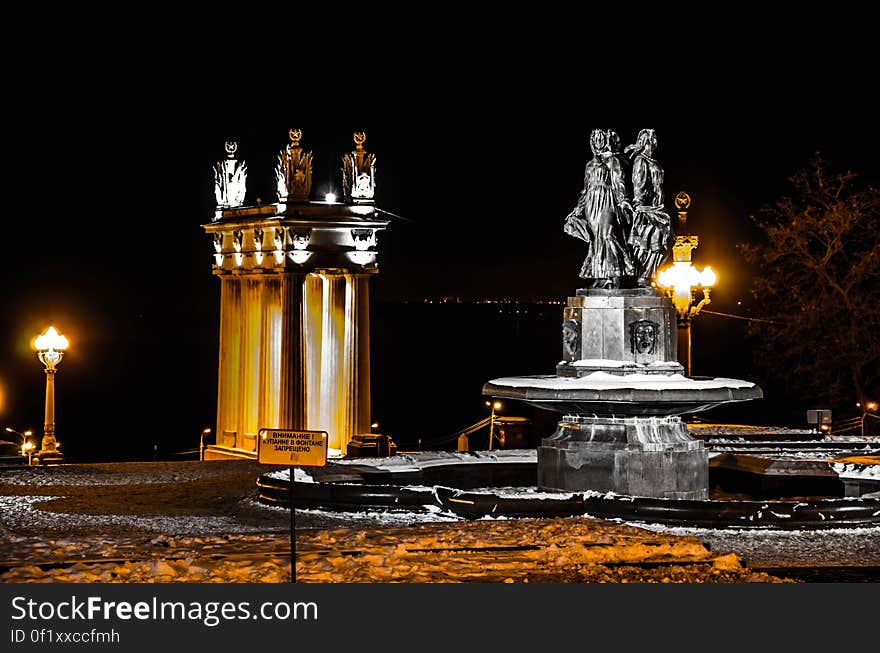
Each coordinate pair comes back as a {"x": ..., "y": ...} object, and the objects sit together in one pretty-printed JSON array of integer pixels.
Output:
[
  {"x": 619, "y": 385},
  {"x": 294, "y": 301}
]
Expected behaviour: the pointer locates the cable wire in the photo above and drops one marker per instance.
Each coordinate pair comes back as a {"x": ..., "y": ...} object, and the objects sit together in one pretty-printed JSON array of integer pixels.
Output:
[{"x": 740, "y": 317}]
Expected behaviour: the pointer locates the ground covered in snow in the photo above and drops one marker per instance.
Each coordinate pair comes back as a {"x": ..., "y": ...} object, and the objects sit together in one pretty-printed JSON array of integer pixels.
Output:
[{"x": 201, "y": 522}]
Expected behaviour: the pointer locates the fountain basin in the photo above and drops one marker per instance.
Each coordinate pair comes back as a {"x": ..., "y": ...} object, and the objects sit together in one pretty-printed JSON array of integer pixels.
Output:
[
  {"x": 601, "y": 393},
  {"x": 498, "y": 484}
]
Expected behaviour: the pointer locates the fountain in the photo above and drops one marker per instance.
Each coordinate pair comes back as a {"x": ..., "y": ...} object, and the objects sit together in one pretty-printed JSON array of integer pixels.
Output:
[
  {"x": 620, "y": 449},
  {"x": 620, "y": 387}
]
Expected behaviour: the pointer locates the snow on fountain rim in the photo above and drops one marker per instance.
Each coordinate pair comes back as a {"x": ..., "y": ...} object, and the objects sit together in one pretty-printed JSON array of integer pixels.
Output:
[{"x": 607, "y": 381}]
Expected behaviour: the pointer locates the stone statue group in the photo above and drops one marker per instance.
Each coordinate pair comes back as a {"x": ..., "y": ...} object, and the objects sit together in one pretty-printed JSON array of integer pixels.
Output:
[{"x": 620, "y": 212}]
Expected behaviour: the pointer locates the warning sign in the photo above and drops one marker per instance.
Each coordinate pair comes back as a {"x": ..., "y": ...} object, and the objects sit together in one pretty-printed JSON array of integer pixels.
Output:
[{"x": 292, "y": 448}]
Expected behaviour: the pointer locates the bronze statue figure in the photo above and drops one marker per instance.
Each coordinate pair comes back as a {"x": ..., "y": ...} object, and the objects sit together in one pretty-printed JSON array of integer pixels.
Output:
[
  {"x": 651, "y": 234},
  {"x": 620, "y": 213},
  {"x": 600, "y": 217}
]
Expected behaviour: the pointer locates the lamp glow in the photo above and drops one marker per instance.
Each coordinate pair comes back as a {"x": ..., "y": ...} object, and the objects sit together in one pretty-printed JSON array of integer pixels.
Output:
[
  {"x": 708, "y": 277},
  {"x": 494, "y": 405},
  {"x": 330, "y": 198},
  {"x": 680, "y": 282},
  {"x": 51, "y": 340}
]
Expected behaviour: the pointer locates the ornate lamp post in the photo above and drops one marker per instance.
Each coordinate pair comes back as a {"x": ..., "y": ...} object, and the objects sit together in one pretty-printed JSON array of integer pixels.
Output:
[
  {"x": 27, "y": 446},
  {"x": 870, "y": 407},
  {"x": 682, "y": 280},
  {"x": 494, "y": 405},
  {"x": 205, "y": 432},
  {"x": 50, "y": 348}
]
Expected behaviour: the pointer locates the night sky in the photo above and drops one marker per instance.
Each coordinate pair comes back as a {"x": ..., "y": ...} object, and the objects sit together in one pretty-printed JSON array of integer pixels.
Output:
[{"x": 103, "y": 238}]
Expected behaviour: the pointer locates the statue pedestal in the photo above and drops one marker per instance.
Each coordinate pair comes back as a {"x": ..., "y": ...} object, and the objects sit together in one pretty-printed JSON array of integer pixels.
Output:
[
  {"x": 635, "y": 456},
  {"x": 619, "y": 331}
]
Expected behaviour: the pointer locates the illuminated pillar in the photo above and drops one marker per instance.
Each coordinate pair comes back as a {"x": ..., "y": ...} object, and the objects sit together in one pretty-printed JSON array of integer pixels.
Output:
[
  {"x": 294, "y": 323},
  {"x": 294, "y": 303},
  {"x": 261, "y": 358},
  {"x": 337, "y": 346}
]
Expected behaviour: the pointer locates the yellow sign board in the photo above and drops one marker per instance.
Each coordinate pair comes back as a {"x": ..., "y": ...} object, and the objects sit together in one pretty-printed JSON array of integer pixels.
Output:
[{"x": 292, "y": 448}]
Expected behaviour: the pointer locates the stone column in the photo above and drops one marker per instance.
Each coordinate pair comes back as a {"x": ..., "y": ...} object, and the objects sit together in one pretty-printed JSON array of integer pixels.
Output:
[
  {"x": 228, "y": 401},
  {"x": 292, "y": 410},
  {"x": 337, "y": 355},
  {"x": 261, "y": 381},
  {"x": 48, "y": 444}
]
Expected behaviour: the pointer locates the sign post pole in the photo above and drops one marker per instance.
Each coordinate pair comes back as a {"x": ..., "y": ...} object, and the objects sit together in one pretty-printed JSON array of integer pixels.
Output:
[
  {"x": 292, "y": 531},
  {"x": 292, "y": 449}
]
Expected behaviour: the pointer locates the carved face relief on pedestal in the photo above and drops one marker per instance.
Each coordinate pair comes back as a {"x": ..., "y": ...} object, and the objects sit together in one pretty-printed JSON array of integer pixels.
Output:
[
  {"x": 643, "y": 336},
  {"x": 571, "y": 339}
]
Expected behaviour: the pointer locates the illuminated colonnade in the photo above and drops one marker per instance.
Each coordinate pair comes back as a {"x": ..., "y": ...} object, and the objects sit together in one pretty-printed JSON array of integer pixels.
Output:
[
  {"x": 294, "y": 301},
  {"x": 294, "y": 322}
]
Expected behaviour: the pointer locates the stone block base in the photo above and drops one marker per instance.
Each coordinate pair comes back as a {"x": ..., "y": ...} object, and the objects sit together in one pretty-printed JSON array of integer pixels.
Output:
[{"x": 634, "y": 456}]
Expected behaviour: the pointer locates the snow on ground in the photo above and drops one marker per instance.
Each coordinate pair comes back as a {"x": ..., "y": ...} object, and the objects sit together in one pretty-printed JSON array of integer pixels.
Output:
[
  {"x": 746, "y": 430},
  {"x": 759, "y": 547},
  {"x": 100, "y": 474},
  {"x": 775, "y": 453},
  {"x": 116, "y": 539},
  {"x": 23, "y": 513},
  {"x": 855, "y": 470},
  {"x": 421, "y": 460}
]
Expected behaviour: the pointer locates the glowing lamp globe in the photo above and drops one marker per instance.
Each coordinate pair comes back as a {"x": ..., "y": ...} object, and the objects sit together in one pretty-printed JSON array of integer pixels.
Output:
[
  {"x": 50, "y": 347},
  {"x": 51, "y": 340}
]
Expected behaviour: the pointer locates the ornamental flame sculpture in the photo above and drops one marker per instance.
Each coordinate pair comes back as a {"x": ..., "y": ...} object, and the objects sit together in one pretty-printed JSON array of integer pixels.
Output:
[
  {"x": 230, "y": 179},
  {"x": 359, "y": 172},
  {"x": 293, "y": 173}
]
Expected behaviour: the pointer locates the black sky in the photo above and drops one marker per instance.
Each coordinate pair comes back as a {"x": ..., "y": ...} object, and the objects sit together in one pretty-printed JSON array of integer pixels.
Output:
[{"x": 104, "y": 203}]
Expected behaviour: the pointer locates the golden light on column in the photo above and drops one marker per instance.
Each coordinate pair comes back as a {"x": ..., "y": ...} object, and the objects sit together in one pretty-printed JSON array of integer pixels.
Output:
[{"x": 50, "y": 346}]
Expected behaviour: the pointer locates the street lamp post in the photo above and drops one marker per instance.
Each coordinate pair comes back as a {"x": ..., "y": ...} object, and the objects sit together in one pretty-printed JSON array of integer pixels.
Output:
[
  {"x": 202, "y": 443},
  {"x": 24, "y": 436},
  {"x": 682, "y": 280},
  {"x": 50, "y": 348},
  {"x": 27, "y": 446},
  {"x": 494, "y": 405},
  {"x": 870, "y": 407}
]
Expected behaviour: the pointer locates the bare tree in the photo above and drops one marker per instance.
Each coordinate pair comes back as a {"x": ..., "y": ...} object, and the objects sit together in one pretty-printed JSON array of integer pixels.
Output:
[{"x": 817, "y": 281}]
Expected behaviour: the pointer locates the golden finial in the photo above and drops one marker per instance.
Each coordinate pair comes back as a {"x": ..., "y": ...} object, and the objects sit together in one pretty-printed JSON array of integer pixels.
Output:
[
  {"x": 230, "y": 147},
  {"x": 359, "y": 138},
  {"x": 682, "y": 201},
  {"x": 295, "y": 135}
]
